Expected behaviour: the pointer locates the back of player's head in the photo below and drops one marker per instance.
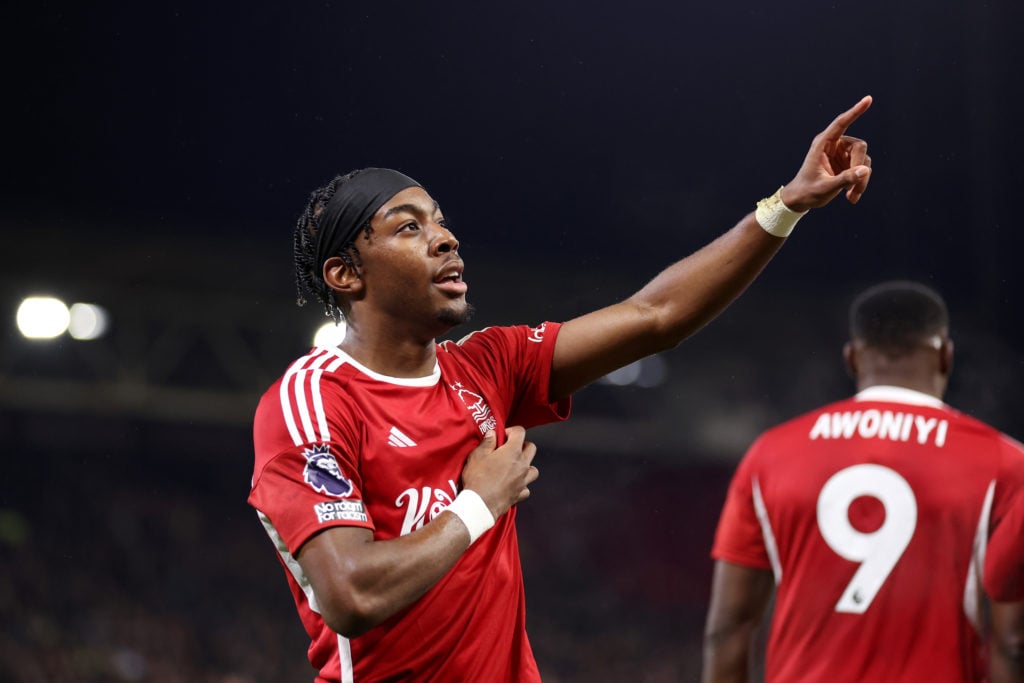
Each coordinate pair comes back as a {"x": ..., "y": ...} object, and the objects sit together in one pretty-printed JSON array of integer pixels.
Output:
[{"x": 898, "y": 316}]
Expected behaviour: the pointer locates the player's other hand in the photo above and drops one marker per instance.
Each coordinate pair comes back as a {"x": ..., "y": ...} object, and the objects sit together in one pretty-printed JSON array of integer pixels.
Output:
[
  {"x": 835, "y": 162},
  {"x": 501, "y": 476}
]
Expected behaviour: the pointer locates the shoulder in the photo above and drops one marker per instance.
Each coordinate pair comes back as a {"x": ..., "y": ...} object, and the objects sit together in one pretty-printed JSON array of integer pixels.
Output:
[
  {"x": 984, "y": 432},
  {"x": 503, "y": 341},
  {"x": 300, "y": 402},
  {"x": 504, "y": 333}
]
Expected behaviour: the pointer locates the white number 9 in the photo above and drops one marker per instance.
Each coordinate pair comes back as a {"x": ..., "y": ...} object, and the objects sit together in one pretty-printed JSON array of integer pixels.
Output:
[{"x": 877, "y": 551}]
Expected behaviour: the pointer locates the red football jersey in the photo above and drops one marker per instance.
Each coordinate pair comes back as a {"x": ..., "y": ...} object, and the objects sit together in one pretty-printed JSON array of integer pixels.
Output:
[
  {"x": 873, "y": 514},
  {"x": 1004, "y": 559},
  {"x": 338, "y": 444}
]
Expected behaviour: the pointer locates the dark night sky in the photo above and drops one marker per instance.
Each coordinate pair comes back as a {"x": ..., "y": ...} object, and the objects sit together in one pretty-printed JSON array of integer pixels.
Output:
[
  {"x": 608, "y": 137},
  {"x": 544, "y": 125}
]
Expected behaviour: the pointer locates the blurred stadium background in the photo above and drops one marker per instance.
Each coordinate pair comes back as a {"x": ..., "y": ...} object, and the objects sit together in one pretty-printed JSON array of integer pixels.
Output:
[{"x": 155, "y": 159}]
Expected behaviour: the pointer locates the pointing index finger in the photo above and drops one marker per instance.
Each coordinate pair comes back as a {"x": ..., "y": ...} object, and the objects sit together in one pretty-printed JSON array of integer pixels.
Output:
[{"x": 839, "y": 125}]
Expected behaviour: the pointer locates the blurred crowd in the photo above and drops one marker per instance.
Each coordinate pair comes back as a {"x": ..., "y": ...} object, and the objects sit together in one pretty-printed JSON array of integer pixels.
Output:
[{"x": 146, "y": 565}]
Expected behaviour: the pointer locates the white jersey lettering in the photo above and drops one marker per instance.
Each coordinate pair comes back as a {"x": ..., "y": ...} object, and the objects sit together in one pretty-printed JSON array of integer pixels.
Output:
[{"x": 880, "y": 424}]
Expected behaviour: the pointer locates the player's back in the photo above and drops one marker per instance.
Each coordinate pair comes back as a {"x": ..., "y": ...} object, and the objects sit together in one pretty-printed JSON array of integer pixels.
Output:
[{"x": 877, "y": 508}]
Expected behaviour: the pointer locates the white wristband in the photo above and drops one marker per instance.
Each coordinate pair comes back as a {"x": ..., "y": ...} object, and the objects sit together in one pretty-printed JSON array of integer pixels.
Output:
[
  {"x": 474, "y": 513},
  {"x": 775, "y": 217}
]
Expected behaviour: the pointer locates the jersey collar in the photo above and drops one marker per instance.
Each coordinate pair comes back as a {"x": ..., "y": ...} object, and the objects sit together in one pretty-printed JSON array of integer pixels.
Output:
[
  {"x": 428, "y": 381},
  {"x": 891, "y": 394}
]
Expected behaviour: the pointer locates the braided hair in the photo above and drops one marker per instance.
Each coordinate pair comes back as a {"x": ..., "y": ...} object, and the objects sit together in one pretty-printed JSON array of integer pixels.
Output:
[{"x": 309, "y": 279}]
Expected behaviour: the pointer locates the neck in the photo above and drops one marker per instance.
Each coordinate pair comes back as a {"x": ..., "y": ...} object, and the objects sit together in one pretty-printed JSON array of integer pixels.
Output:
[
  {"x": 390, "y": 355},
  {"x": 933, "y": 385}
]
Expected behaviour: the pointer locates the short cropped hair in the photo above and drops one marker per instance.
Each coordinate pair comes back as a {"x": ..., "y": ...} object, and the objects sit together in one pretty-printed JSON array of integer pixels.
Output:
[{"x": 898, "y": 316}]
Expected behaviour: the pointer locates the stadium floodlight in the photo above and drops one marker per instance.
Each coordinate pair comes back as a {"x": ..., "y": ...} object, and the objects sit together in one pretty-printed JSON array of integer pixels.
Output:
[
  {"x": 329, "y": 335},
  {"x": 42, "y": 317},
  {"x": 88, "y": 321}
]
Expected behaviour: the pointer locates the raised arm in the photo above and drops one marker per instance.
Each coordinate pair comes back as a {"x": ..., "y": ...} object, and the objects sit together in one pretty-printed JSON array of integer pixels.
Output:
[
  {"x": 739, "y": 598},
  {"x": 690, "y": 293},
  {"x": 359, "y": 582}
]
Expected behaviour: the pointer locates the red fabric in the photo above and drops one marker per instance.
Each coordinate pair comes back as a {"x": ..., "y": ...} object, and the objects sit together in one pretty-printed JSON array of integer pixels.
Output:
[
  {"x": 1004, "y": 559},
  {"x": 915, "y": 626},
  {"x": 400, "y": 446}
]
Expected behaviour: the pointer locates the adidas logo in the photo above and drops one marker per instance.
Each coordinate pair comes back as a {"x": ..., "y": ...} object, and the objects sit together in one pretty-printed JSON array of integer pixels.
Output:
[{"x": 397, "y": 438}]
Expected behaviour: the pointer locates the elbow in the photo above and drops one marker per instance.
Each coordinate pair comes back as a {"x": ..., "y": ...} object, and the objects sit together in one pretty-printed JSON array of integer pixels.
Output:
[
  {"x": 348, "y": 611},
  {"x": 669, "y": 327},
  {"x": 717, "y": 636}
]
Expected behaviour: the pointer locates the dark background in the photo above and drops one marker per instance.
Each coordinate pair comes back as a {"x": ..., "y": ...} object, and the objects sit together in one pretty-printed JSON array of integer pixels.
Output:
[{"x": 155, "y": 159}]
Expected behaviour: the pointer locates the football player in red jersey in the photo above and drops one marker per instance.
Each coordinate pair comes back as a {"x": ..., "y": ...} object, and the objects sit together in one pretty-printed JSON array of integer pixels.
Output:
[
  {"x": 868, "y": 519},
  {"x": 388, "y": 469}
]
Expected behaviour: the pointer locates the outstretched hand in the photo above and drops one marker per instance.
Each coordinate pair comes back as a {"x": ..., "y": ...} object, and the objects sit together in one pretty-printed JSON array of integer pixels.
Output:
[{"x": 835, "y": 161}]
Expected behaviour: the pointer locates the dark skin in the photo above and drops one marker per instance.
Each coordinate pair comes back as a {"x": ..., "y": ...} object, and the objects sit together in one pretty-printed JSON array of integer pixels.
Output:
[
  {"x": 408, "y": 291},
  {"x": 741, "y": 595},
  {"x": 1007, "y": 642},
  {"x": 739, "y": 598}
]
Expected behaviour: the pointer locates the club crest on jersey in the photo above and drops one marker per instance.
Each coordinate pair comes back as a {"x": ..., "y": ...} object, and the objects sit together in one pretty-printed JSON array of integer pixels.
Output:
[
  {"x": 323, "y": 474},
  {"x": 477, "y": 407}
]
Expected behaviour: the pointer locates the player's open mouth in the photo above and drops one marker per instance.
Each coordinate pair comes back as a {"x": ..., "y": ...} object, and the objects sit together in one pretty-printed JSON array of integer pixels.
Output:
[{"x": 450, "y": 279}]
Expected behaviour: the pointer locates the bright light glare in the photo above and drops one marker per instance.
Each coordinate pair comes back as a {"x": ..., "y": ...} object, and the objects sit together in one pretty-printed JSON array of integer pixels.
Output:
[
  {"x": 43, "y": 317},
  {"x": 88, "y": 321},
  {"x": 329, "y": 335},
  {"x": 625, "y": 375},
  {"x": 653, "y": 373},
  {"x": 647, "y": 373}
]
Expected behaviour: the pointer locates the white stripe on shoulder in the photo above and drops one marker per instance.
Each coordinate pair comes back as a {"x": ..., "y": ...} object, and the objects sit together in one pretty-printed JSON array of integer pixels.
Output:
[
  {"x": 318, "y": 405},
  {"x": 293, "y": 384},
  {"x": 311, "y": 377},
  {"x": 766, "y": 531},
  {"x": 301, "y": 407}
]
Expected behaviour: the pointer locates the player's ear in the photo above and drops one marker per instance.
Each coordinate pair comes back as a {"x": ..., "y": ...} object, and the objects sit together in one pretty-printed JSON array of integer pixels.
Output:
[
  {"x": 340, "y": 277},
  {"x": 850, "y": 359},
  {"x": 946, "y": 356}
]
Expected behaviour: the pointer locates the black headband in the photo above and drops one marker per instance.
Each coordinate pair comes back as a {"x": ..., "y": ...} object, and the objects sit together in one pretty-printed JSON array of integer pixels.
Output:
[{"x": 353, "y": 205}]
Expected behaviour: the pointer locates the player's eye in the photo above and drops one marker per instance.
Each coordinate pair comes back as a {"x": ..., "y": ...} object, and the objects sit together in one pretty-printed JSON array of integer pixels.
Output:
[{"x": 411, "y": 225}]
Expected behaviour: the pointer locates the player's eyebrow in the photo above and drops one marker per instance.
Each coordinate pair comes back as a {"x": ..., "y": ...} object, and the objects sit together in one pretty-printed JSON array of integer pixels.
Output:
[{"x": 409, "y": 208}]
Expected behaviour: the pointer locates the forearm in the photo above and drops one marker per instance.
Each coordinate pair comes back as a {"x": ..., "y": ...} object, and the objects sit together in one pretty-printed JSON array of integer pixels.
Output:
[
  {"x": 360, "y": 582},
  {"x": 739, "y": 597},
  {"x": 727, "y": 656},
  {"x": 676, "y": 303},
  {"x": 690, "y": 293}
]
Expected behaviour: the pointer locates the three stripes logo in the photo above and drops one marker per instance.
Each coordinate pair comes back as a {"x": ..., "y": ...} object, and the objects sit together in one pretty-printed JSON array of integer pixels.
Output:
[{"x": 398, "y": 439}]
